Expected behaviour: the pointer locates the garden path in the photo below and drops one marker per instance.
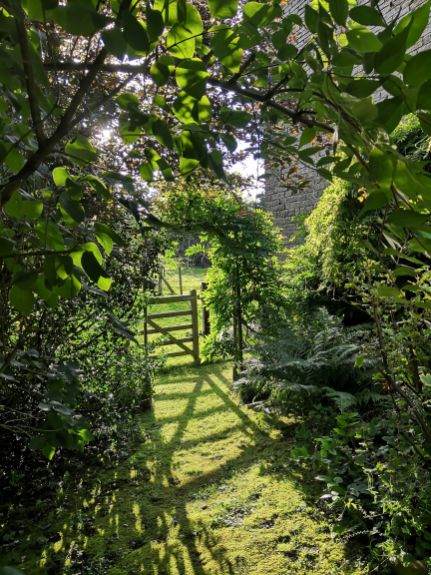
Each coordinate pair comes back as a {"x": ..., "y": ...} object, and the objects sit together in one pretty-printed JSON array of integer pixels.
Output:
[{"x": 208, "y": 488}]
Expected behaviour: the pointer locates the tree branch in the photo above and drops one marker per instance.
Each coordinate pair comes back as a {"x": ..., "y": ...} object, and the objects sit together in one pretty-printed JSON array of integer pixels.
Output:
[
  {"x": 62, "y": 130},
  {"x": 297, "y": 117},
  {"x": 29, "y": 76},
  {"x": 227, "y": 85}
]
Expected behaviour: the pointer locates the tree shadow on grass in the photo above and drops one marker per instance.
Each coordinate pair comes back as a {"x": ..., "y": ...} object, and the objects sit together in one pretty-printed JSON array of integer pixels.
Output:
[{"x": 134, "y": 517}]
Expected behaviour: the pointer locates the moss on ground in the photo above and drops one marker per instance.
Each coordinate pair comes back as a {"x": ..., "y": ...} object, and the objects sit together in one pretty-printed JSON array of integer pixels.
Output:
[{"x": 207, "y": 489}]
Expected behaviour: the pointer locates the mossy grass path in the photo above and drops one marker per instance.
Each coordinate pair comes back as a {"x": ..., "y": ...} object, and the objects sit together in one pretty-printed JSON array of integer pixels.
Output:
[{"x": 207, "y": 490}]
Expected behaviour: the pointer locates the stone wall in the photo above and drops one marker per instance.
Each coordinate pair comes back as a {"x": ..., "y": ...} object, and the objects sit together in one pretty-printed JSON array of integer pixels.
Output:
[{"x": 291, "y": 188}]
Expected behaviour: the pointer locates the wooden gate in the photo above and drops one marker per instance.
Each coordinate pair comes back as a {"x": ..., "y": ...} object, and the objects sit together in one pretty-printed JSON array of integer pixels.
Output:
[{"x": 153, "y": 324}]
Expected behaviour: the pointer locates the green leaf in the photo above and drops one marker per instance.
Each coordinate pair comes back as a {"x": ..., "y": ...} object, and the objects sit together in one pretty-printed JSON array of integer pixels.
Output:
[
  {"x": 364, "y": 110},
  {"x": 103, "y": 229},
  {"x": 418, "y": 69},
  {"x": 155, "y": 24},
  {"x": 160, "y": 70},
  {"x": 12, "y": 157},
  {"x": 188, "y": 110},
  {"x": 79, "y": 18},
  {"x": 22, "y": 208},
  {"x": 22, "y": 299},
  {"x": 72, "y": 207},
  {"x": 425, "y": 379},
  {"x": 226, "y": 46},
  {"x": 346, "y": 58},
  {"x": 425, "y": 120},
  {"x": 69, "y": 288},
  {"x": 191, "y": 76},
  {"x": 259, "y": 14},
  {"x": 391, "y": 56},
  {"x": 147, "y": 171},
  {"x": 163, "y": 134},
  {"x": 390, "y": 112},
  {"x": 230, "y": 142},
  {"x": 416, "y": 22},
  {"x": 424, "y": 96},
  {"x": 99, "y": 186},
  {"x": 311, "y": 18},
  {"x": 307, "y": 136},
  {"x": 115, "y": 42},
  {"x": 168, "y": 9},
  {"x": 223, "y": 8},
  {"x": 363, "y": 40},
  {"x": 388, "y": 292},
  {"x": 339, "y": 10},
  {"x": 7, "y": 246},
  {"x": 50, "y": 235},
  {"x": 375, "y": 201},
  {"x": 79, "y": 148},
  {"x": 407, "y": 218},
  {"x": 181, "y": 39},
  {"x": 215, "y": 160},
  {"x": 287, "y": 52},
  {"x": 236, "y": 118},
  {"x": 128, "y": 102},
  {"x": 105, "y": 241},
  {"x": 34, "y": 9},
  {"x": 92, "y": 267},
  {"x": 188, "y": 165},
  {"x": 326, "y": 37},
  {"x": 135, "y": 33},
  {"x": 362, "y": 88},
  {"x": 43, "y": 444},
  {"x": 408, "y": 182},
  {"x": 44, "y": 292},
  {"x": 381, "y": 167},
  {"x": 367, "y": 16},
  {"x": 60, "y": 176}
]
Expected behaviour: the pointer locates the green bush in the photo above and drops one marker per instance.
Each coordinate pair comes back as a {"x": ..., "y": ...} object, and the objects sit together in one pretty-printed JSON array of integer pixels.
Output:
[{"x": 376, "y": 484}]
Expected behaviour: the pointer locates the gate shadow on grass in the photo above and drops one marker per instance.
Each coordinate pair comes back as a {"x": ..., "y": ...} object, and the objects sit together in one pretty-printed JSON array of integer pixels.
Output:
[{"x": 134, "y": 518}]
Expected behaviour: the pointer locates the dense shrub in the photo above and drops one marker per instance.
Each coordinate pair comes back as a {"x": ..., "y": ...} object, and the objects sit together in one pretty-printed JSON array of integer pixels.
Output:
[
  {"x": 370, "y": 438},
  {"x": 375, "y": 481},
  {"x": 79, "y": 358}
]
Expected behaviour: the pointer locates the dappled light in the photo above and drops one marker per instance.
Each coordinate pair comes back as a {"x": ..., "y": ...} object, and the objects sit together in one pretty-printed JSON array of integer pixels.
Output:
[{"x": 197, "y": 495}]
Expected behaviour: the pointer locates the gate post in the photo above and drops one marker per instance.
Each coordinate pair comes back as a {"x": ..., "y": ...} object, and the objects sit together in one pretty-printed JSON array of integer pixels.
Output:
[
  {"x": 180, "y": 279},
  {"x": 195, "y": 326},
  {"x": 205, "y": 312}
]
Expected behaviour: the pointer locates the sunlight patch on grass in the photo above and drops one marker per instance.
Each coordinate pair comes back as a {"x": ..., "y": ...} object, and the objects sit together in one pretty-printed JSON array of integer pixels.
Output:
[{"x": 208, "y": 489}]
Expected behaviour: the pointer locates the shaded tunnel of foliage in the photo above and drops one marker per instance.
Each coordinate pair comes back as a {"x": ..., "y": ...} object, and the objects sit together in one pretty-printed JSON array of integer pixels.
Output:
[{"x": 104, "y": 103}]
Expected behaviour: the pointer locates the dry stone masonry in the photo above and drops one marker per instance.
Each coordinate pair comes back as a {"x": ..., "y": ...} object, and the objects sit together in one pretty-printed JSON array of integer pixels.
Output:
[{"x": 292, "y": 188}]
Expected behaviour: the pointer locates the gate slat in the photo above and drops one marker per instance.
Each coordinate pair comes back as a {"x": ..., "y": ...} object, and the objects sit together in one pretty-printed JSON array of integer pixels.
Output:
[
  {"x": 169, "y": 314},
  {"x": 177, "y": 341},
  {"x": 169, "y": 299},
  {"x": 173, "y": 328},
  {"x": 177, "y": 353}
]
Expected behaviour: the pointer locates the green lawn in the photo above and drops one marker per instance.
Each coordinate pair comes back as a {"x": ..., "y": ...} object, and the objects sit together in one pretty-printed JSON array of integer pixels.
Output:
[{"x": 205, "y": 487}]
